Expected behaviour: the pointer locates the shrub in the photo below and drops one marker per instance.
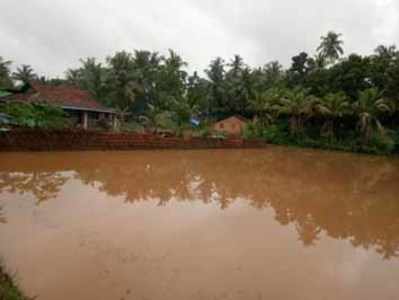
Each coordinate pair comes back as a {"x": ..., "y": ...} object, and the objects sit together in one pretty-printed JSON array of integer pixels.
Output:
[
  {"x": 277, "y": 133},
  {"x": 8, "y": 290},
  {"x": 251, "y": 131},
  {"x": 395, "y": 137},
  {"x": 205, "y": 132},
  {"x": 380, "y": 144},
  {"x": 132, "y": 127},
  {"x": 34, "y": 115}
]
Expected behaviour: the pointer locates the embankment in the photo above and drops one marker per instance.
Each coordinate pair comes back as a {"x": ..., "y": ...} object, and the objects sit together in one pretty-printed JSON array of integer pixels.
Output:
[{"x": 80, "y": 140}]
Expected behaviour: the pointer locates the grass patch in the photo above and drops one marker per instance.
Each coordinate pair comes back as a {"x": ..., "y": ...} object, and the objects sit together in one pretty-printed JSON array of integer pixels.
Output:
[{"x": 8, "y": 289}]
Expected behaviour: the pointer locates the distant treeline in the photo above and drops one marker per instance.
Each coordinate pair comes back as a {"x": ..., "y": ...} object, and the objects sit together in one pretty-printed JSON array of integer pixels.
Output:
[{"x": 340, "y": 97}]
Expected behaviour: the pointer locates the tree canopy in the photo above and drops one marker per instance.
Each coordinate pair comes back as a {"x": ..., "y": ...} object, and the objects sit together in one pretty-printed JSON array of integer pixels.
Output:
[{"x": 139, "y": 83}]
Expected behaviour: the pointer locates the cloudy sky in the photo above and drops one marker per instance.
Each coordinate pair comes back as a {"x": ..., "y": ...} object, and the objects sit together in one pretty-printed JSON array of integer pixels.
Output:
[{"x": 51, "y": 35}]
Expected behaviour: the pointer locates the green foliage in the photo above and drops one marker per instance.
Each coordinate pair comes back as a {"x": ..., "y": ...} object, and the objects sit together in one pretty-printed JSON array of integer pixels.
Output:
[
  {"x": 379, "y": 144},
  {"x": 395, "y": 138},
  {"x": 5, "y": 76},
  {"x": 331, "y": 46},
  {"x": 35, "y": 115},
  {"x": 132, "y": 126},
  {"x": 329, "y": 122},
  {"x": 322, "y": 100},
  {"x": 276, "y": 133},
  {"x": 91, "y": 76},
  {"x": 203, "y": 132},
  {"x": 252, "y": 131},
  {"x": 165, "y": 120},
  {"x": 368, "y": 108},
  {"x": 8, "y": 290},
  {"x": 332, "y": 108},
  {"x": 24, "y": 74},
  {"x": 298, "y": 106}
]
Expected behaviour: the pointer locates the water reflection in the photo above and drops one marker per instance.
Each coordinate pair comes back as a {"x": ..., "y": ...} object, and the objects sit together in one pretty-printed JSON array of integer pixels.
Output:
[
  {"x": 44, "y": 185},
  {"x": 2, "y": 218},
  {"x": 345, "y": 196}
]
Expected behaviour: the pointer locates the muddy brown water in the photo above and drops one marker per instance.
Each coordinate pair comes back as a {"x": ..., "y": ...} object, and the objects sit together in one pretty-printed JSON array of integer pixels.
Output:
[{"x": 224, "y": 224}]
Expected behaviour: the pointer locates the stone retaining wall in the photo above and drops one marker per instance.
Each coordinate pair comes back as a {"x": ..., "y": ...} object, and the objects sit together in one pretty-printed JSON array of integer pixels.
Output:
[{"x": 65, "y": 140}]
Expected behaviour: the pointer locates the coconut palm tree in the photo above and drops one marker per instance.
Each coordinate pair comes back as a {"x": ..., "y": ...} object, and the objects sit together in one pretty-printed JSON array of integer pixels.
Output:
[
  {"x": 25, "y": 74},
  {"x": 123, "y": 83},
  {"x": 5, "y": 80},
  {"x": 265, "y": 104},
  {"x": 368, "y": 108},
  {"x": 332, "y": 107},
  {"x": 319, "y": 61},
  {"x": 331, "y": 46},
  {"x": 73, "y": 76},
  {"x": 298, "y": 106},
  {"x": 386, "y": 52},
  {"x": 156, "y": 118}
]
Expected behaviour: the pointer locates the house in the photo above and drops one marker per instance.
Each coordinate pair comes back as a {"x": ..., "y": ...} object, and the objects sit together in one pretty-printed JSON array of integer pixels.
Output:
[
  {"x": 83, "y": 110},
  {"x": 233, "y": 126}
]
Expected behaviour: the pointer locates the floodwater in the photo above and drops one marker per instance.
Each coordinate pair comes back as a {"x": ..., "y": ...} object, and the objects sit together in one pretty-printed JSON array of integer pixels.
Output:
[{"x": 277, "y": 223}]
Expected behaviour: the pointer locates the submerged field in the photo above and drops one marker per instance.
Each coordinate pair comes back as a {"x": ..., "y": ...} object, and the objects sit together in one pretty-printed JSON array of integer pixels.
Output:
[{"x": 212, "y": 224}]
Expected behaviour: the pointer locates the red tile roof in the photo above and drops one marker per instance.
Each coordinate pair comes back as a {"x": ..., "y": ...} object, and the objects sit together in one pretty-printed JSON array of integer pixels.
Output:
[
  {"x": 62, "y": 95},
  {"x": 240, "y": 118}
]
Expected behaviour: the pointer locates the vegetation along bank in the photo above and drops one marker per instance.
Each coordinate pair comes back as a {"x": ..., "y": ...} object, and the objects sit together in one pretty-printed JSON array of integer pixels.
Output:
[
  {"x": 323, "y": 100},
  {"x": 8, "y": 290}
]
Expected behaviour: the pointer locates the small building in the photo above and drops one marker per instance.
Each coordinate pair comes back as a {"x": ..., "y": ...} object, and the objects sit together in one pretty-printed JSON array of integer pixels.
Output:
[
  {"x": 82, "y": 109},
  {"x": 233, "y": 126}
]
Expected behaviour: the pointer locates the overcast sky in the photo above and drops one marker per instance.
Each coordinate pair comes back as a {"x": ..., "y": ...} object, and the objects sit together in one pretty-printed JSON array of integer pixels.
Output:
[{"x": 51, "y": 35}]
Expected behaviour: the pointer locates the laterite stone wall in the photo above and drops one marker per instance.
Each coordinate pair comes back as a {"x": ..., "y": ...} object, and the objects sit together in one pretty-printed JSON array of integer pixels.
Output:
[{"x": 79, "y": 140}]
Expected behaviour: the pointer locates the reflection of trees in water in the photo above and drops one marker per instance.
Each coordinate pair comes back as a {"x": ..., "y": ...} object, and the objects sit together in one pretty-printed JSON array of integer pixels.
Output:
[
  {"x": 3, "y": 219},
  {"x": 344, "y": 196},
  {"x": 43, "y": 185}
]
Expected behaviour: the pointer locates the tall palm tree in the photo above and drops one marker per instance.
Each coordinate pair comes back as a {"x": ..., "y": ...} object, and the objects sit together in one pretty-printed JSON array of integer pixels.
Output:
[
  {"x": 25, "y": 74},
  {"x": 298, "y": 106},
  {"x": 386, "y": 52},
  {"x": 265, "y": 104},
  {"x": 156, "y": 118},
  {"x": 331, "y": 46},
  {"x": 5, "y": 80},
  {"x": 332, "y": 108},
  {"x": 123, "y": 82},
  {"x": 73, "y": 76},
  {"x": 94, "y": 78},
  {"x": 369, "y": 106},
  {"x": 319, "y": 61}
]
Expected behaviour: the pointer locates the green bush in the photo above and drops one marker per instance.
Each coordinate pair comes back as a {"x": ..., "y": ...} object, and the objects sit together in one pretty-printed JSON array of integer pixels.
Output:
[
  {"x": 251, "y": 131},
  {"x": 279, "y": 134},
  {"x": 132, "y": 127},
  {"x": 276, "y": 134},
  {"x": 34, "y": 115},
  {"x": 380, "y": 144},
  {"x": 395, "y": 137},
  {"x": 202, "y": 132},
  {"x": 8, "y": 290}
]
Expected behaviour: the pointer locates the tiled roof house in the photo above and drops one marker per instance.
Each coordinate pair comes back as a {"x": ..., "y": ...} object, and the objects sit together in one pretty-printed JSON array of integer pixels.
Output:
[{"x": 82, "y": 108}]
